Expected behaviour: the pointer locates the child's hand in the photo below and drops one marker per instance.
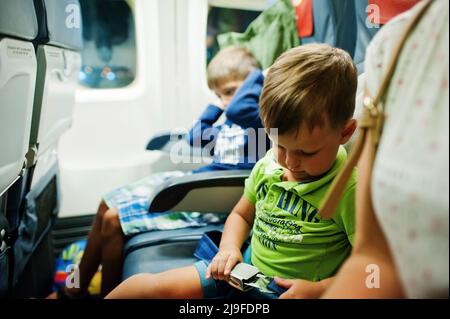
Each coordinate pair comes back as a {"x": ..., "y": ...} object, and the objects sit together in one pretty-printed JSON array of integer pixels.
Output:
[
  {"x": 222, "y": 264},
  {"x": 300, "y": 289},
  {"x": 219, "y": 103}
]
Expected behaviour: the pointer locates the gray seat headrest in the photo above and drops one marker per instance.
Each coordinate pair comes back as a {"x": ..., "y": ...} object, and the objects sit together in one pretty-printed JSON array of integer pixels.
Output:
[
  {"x": 18, "y": 19},
  {"x": 60, "y": 23}
]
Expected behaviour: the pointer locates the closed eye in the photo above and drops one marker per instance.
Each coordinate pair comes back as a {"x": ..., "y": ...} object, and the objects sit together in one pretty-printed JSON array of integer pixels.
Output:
[
  {"x": 309, "y": 154},
  {"x": 303, "y": 153},
  {"x": 229, "y": 92}
]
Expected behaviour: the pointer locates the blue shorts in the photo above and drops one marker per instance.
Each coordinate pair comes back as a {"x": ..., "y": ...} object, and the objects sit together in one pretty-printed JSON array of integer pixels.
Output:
[{"x": 215, "y": 289}]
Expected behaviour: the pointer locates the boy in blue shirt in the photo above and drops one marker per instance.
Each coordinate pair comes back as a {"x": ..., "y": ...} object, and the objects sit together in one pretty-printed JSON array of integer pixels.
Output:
[
  {"x": 238, "y": 98},
  {"x": 235, "y": 77}
]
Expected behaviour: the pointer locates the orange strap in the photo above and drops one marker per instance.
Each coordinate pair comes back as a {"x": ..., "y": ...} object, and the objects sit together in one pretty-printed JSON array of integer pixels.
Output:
[{"x": 305, "y": 19}]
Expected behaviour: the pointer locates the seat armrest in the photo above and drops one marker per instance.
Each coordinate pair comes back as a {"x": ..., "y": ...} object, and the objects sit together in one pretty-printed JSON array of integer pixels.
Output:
[
  {"x": 161, "y": 141},
  {"x": 210, "y": 192},
  {"x": 176, "y": 143}
]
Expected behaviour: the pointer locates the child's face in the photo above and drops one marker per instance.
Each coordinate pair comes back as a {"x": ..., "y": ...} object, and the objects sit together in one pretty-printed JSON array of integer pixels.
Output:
[
  {"x": 310, "y": 154},
  {"x": 226, "y": 91}
]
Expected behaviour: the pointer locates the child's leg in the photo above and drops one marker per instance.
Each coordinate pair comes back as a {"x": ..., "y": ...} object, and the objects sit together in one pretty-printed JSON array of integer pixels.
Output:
[
  {"x": 178, "y": 283},
  {"x": 103, "y": 228},
  {"x": 106, "y": 238},
  {"x": 91, "y": 257},
  {"x": 112, "y": 241}
]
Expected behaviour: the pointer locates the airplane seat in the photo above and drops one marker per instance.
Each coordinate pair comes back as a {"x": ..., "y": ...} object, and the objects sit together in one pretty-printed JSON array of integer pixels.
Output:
[
  {"x": 331, "y": 24},
  {"x": 162, "y": 250},
  {"x": 18, "y": 26},
  {"x": 157, "y": 251},
  {"x": 58, "y": 62}
]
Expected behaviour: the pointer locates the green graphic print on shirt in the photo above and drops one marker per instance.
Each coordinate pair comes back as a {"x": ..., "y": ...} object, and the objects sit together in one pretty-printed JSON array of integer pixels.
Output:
[{"x": 290, "y": 239}]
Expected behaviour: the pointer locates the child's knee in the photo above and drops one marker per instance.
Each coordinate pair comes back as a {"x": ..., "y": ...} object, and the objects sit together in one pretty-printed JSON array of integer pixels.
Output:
[
  {"x": 111, "y": 223},
  {"x": 103, "y": 207}
]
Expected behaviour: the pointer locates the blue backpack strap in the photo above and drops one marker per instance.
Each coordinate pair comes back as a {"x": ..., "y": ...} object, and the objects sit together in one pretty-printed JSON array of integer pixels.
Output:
[
  {"x": 208, "y": 246},
  {"x": 275, "y": 288}
]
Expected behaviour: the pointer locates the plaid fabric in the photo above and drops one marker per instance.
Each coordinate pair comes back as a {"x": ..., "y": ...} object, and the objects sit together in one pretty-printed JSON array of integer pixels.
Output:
[
  {"x": 132, "y": 203},
  {"x": 208, "y": 247}
]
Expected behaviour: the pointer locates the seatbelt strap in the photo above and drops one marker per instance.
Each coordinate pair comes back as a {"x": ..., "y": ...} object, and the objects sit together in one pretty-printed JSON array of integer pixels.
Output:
[{"x": 208, "y": 247}]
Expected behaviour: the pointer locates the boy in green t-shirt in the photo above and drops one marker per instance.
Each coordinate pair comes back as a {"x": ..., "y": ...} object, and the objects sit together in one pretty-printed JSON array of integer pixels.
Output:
[{"x": 309, "y": 97}]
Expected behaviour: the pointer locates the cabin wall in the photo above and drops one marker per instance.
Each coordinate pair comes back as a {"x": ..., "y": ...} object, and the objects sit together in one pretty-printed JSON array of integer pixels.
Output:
[{"x": 105, "y": 147}]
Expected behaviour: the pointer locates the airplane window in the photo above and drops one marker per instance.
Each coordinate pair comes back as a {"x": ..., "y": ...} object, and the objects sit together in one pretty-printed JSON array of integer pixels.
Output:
[
  {"x": 222, "y": 20},
  {"x": 109, "y": 53}
]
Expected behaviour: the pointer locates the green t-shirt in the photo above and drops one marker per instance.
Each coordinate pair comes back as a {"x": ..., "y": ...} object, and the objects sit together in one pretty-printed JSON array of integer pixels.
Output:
[{"x": 290, "y": 239}]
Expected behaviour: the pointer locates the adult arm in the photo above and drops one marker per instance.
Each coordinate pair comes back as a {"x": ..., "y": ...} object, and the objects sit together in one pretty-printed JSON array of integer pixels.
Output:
[{"x": 371, "y": 257}]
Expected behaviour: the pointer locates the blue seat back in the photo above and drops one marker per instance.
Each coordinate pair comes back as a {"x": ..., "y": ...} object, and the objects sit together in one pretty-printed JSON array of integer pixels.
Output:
[
  {"x": 365, "y": 33},
  {"x": 333, "y": 24}
]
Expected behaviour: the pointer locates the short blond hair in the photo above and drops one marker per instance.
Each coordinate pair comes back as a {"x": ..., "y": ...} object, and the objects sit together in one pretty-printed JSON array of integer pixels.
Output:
[
  {"x": 307, "y": 83},
  {"x": 230, "y": 64}
]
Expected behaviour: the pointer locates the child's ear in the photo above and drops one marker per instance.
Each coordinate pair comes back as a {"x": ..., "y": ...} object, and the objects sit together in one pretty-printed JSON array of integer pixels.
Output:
[{"x": 347, "y": 131}]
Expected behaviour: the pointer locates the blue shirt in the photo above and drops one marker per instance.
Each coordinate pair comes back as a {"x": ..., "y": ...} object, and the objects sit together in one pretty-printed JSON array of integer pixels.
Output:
[{"x": 241, "y": 140}]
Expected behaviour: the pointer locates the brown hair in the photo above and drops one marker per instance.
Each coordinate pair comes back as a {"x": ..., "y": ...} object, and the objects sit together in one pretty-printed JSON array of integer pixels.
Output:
[
  {"x": 230, "y": 64},
  {"x": 307, "y": 83}
]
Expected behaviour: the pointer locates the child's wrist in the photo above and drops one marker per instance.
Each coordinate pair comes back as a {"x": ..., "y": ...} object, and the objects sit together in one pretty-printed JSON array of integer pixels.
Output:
[{"x": 229, "y": 246}]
